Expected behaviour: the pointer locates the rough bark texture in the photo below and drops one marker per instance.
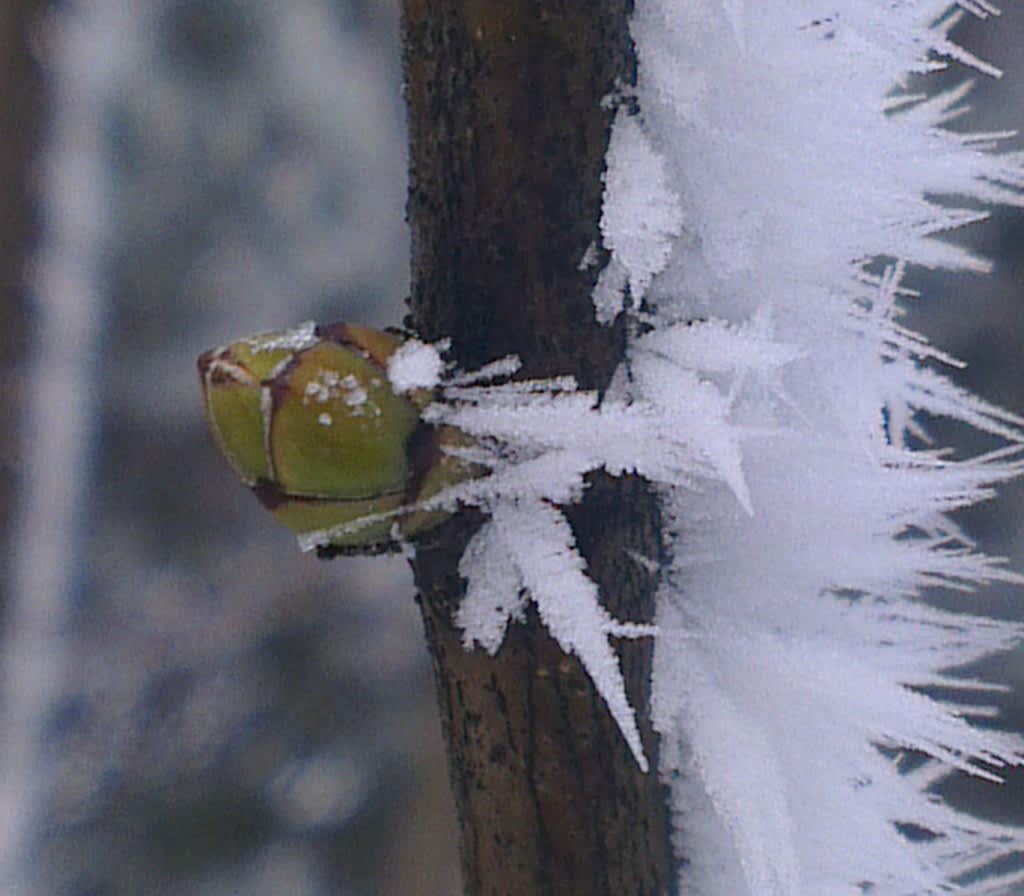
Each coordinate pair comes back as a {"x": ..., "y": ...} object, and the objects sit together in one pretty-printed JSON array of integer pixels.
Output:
[
  {"x": 21, "y": 117},
  {"x": 507, "y": 140}
]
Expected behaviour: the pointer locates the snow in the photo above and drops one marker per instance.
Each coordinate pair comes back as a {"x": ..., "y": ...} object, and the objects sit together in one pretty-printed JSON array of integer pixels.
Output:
[
  {"x": 327, "y": 385},
  {"x": 322, "y": 388},
  {"x": 415, "y": 365}
]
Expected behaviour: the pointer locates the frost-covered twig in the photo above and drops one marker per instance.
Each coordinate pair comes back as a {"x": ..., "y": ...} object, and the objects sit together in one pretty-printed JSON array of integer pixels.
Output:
[{"x": 776, "y": 400}]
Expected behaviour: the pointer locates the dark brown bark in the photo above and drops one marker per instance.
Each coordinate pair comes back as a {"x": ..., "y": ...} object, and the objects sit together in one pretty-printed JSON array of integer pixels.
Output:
[
  {"x": 508, "y": 134},
  {"x": 21, "y": 118}
]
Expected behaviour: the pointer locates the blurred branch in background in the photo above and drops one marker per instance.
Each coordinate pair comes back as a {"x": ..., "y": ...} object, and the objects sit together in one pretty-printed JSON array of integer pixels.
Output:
[
  {"x": 21, "y": 116},
  {"x": 220, "y": 713},
  {"x": 60, "y": 402}
]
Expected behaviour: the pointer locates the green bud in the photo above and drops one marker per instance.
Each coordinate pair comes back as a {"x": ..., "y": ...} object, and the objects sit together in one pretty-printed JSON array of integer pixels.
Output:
[{"x": 309, "y": 420}]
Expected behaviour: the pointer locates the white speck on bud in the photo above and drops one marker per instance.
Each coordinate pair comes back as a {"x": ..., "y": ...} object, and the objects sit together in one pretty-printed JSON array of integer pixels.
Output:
[
  {"x": 325, "y": 419},
  {"x": 322, "y": 388},
  {"x": 415, "y": 365},
  {"x": 355, "y": 394}
]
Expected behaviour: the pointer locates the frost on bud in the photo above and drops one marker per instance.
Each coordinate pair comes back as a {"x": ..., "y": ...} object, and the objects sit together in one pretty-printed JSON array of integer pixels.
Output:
[{"x": 311, "y": 423}]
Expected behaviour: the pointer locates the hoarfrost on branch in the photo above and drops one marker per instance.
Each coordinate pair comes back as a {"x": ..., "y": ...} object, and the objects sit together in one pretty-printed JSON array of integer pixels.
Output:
[{"x": 762, "y": 210}]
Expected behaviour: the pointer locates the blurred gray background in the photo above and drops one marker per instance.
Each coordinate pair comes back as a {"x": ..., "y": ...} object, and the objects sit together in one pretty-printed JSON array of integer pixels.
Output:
[{"x": 233, "y": 717}]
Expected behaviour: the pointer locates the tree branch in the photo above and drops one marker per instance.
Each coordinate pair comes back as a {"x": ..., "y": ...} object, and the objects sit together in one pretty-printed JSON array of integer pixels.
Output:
[{"x": 508, "y": 133}]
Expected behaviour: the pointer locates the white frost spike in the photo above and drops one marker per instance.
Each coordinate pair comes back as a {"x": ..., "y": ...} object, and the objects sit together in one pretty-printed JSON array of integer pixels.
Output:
[
  {"x": 494, "y": 590},
  {"x": 699, "y": 413},
  {"x": 531, "y": 546},
  {"x": 753, "y": 778},
  {"x": 495, "y": 370},
  {"x": 716, "y": 346},
  {"x": 610, "y": 291},
  {"x": 640, "y": 218}
]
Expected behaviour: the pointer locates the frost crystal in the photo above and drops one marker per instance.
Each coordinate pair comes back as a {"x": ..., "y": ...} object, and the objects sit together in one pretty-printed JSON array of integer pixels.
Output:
[
  {"x": 296, "y": 339},
  {"x": 641, "y": 217},
  {"x": 528, "y": 549}
]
